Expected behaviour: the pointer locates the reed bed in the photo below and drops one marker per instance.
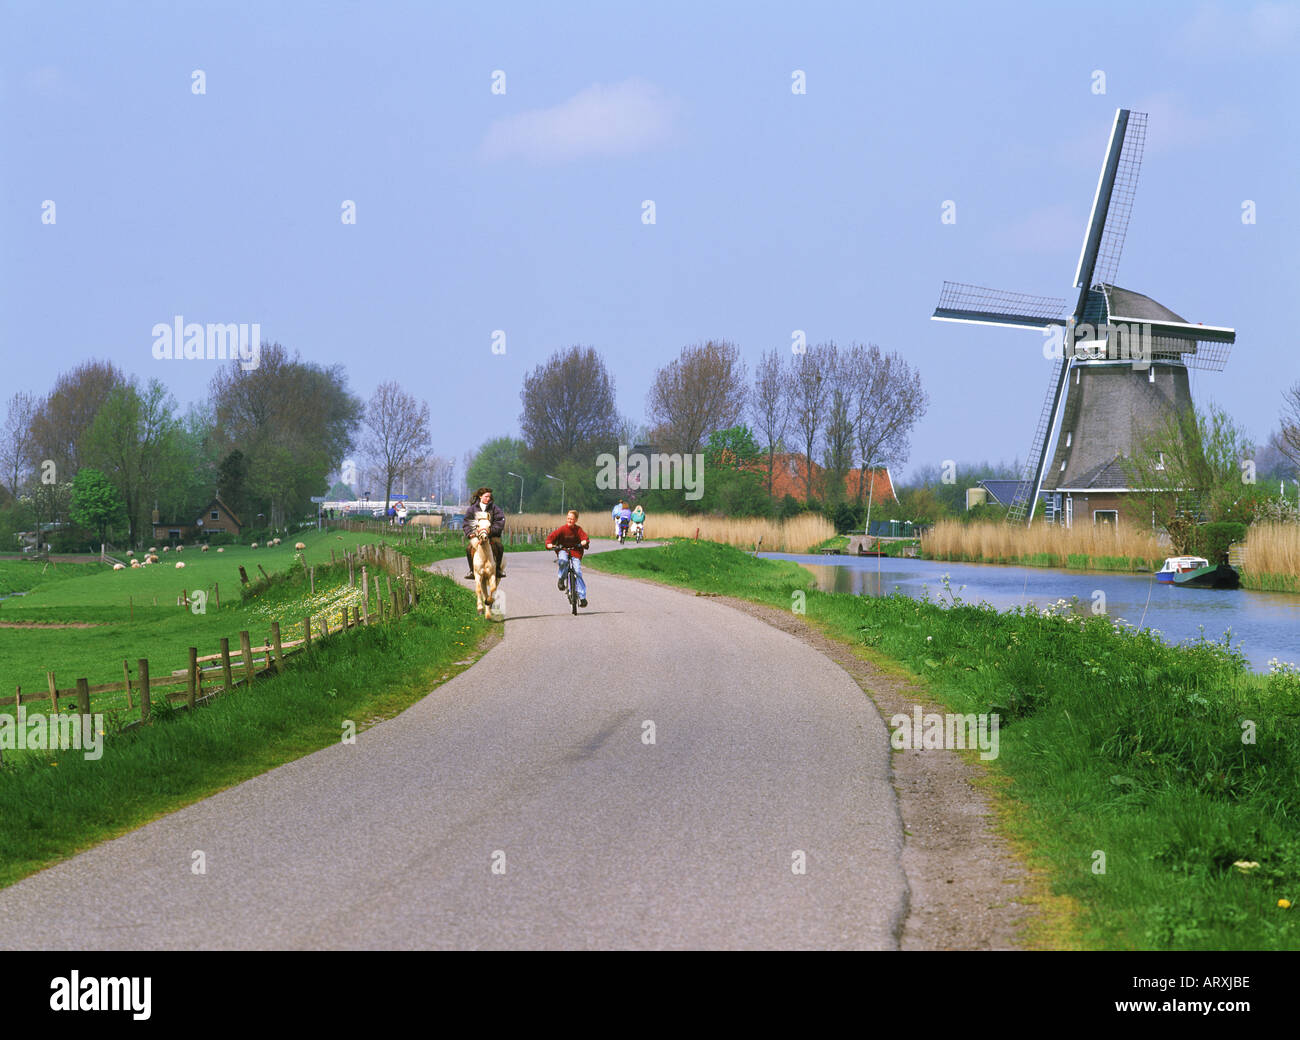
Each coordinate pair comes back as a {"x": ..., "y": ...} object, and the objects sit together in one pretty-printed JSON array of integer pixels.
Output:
[
  {"x": 797, "y": 535},
  {"x": 1272, "y": 560},
  {"x": 1082, "y": 547}
]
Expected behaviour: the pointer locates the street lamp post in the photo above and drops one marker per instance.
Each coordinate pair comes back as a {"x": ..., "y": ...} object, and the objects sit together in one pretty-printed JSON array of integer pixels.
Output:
[
  {"x": 549, "y": 477},
  {"x": 521, "y": 489}
]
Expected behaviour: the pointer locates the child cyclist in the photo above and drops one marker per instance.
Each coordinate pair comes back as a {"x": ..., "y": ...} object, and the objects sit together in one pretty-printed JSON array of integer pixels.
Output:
[
  {"x": 638, "y": 521},
  {"x": 569, "y": 542}
]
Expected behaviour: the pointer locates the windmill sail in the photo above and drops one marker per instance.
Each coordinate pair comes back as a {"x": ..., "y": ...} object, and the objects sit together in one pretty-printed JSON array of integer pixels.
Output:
[
  {"x": 1113, "y": 203},
  {"x": 976, "y": 305}
]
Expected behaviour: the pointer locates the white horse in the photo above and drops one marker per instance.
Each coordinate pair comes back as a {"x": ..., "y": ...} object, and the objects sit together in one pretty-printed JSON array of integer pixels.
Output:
[{"x": 485, "y": 564}]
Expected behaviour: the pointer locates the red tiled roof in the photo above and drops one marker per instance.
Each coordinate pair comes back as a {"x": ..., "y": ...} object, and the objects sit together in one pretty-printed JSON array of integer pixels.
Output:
[{"x": 789, "y": 477}]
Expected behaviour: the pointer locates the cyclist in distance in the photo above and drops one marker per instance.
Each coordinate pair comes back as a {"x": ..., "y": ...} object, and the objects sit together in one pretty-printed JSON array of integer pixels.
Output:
[
  {"x": 624, "y": 519},
  {"x": 638, "y": 520},
  {"x": 569, "y": 542}
]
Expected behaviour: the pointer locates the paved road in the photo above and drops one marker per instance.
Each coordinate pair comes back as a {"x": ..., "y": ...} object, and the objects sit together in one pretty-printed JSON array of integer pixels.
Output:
[{"x": 534, "y": 760}]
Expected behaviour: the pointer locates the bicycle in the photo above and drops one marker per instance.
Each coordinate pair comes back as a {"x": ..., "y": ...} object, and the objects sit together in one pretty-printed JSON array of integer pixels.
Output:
[
  {"x": 622, "y": 531},
  {"x": 570, "y": 579},
  {"x": 638, "y": 532}
]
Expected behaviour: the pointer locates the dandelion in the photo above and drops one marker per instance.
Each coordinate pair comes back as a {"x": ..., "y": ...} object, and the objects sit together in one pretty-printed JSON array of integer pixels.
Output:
[{"x": 1285, "y": 904}]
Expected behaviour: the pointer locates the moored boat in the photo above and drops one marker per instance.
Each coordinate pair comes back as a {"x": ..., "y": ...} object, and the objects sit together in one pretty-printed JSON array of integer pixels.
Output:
[{"x": 1197, "y": 572}]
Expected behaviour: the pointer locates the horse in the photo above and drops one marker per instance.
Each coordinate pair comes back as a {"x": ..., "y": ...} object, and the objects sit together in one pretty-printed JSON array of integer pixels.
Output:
[{"x": 485, "y": 565}]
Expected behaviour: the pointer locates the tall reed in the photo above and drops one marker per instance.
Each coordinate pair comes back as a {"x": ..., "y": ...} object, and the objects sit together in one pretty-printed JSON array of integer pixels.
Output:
[
  {"x": 1081, "y": 546},
  {"x": 796, "y": 535}
]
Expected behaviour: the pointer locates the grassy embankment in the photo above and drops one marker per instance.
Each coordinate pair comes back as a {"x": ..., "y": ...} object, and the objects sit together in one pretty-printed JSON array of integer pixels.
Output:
[
  {"x": 801, "y": 534},
  {"x": 54, "y": 804},
  {"x": 1111, "y": 743}
]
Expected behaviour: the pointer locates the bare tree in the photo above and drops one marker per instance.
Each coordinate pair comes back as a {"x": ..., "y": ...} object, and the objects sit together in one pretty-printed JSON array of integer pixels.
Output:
[
  {"x": 839, "y": 370},
  {"x": 1287, "y": 440},
  {"x": 15, "y": 441},
  {"x": 769, "y": 405},
  {"x": 808, "y": 406},
  {"x": 396, "y": 434},
  {"x": 63, "y": 418},
  {"x": 568, "y": 406},
  {"x": 701, "y": 392},
  {"x": 890, "y": 402}
]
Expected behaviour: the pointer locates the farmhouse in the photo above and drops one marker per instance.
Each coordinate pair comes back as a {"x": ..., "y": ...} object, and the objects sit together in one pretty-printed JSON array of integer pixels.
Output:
[{"x": 216, "y": 518}]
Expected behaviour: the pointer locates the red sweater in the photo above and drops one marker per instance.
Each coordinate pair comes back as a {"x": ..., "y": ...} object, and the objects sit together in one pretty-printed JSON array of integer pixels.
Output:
[{"x": 570, "y": 538}]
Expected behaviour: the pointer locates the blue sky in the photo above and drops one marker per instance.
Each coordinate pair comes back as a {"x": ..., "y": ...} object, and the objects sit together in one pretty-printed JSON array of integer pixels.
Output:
[{"x": 522, "y": 211}]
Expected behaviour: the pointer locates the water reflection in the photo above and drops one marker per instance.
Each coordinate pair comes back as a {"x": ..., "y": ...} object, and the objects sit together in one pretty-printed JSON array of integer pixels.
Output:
[{"x": 1267, "y": 624}]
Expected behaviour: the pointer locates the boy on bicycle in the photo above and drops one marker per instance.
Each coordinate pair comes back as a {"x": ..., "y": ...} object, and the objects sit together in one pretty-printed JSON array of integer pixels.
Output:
[{"x": 569, "y": 542}]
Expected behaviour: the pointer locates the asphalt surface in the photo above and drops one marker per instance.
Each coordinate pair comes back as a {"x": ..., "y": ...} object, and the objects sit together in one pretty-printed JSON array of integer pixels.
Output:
[{"x": 520, "y": 806}]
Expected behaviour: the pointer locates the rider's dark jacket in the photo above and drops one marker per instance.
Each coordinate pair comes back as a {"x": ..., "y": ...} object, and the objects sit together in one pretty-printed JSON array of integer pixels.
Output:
[{"x": 498, "y": 519}]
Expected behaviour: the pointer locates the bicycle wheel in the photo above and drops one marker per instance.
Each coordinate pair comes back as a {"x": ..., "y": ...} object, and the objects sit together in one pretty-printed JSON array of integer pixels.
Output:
[{"x": 573, "y": 590}]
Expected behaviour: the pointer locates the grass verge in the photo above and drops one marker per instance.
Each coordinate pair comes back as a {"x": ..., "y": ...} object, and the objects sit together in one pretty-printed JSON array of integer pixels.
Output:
[{"x": 1156, "y": 784}]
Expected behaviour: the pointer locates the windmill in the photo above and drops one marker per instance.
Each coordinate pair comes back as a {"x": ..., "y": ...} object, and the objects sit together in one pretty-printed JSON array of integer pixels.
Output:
[{"x": 1121, "y": 358}]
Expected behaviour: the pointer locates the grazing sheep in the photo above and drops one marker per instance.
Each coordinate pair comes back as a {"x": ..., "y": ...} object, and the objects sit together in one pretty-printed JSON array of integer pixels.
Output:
[
  {"x": 180, "y": 548},
  {"x": 130, "y": 552},
  {"x": 301, "y": 546},
  {"x": 220, "y": 549},
  {"x": 203, "y": 549},
  {"x": 253, "y": 546},
  {"x": 152, "y": 550},
  {"x": 179, "y": 565},
  {"x": 153, "y": 558},
  {"x": 118, "y": 567},
  {"x": 135, "y": 565},
  {"x": 167, "y": 548}
]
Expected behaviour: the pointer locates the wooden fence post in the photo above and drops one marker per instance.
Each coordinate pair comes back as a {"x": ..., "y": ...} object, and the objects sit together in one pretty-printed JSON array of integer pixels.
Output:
[
  {"x": 126, "y": 672},
  {"x": 243, "y": 575},
  {"x": 279, "y": 653},
  {"x": 193, "y": 675},
  {"x": 324, "y": 627},
  {"x": 345, "y": 619},
  {"x": 142, "y": 670},
  {"x": 226, "y": 673},
  {"x": 83, "y": 696},
  {"x": 356, "y": 612},
  {"x": 54, "y": 691},
  {"x": 365, "y": 614},
  {"x": 365, "y": 589},
  {"x": 306, "y": 631},
  {"x": 246, "y": 648}
]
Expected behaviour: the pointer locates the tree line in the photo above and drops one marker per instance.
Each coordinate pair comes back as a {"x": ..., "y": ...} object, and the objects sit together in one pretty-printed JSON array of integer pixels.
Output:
[
  {"x": 824, "y": 413},
  {"x": 102, "y": 451}
]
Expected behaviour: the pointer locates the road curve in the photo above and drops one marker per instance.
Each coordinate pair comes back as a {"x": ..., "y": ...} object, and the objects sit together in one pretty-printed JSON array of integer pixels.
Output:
[{"x": 520, "y": 806}]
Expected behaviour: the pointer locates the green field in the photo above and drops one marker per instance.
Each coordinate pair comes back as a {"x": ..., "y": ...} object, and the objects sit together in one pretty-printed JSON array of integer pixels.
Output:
[
  {"x": 54, "y": 804},
  {"x": 1175, "y": 764},
  {"x": 127, "y": 625}
]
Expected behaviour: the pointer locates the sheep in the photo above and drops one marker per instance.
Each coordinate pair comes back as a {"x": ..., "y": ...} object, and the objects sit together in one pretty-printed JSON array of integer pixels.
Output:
[
  {"x": 135, "y": 565},
  {"x": 253, "y": 546},
  {"x": 179, "y": 565},
  {"x": 153, "y": 558},
  {"x": 180, "y": 548},
  {"x": 301, "y": 546},
  {"x": 220, "y": 549},
  {"x": 152, "y": 550},
  {"x": 118, "y": 567},
  {"x": 167, "y": 548},
  {"x": 203, "y": 549},
  {"x": 130, "y": 552}
]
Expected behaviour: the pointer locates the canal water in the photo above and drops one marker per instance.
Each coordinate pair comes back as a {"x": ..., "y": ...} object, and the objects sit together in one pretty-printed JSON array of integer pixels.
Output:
[{"x": 1266, "y": 624}]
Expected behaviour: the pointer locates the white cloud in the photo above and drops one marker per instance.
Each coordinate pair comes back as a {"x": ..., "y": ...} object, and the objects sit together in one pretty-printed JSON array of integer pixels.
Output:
[
  {"x": 618, "y": 119},
  {"x": 1234, "y": 30},
  {"x": 1172, "y": 127}
]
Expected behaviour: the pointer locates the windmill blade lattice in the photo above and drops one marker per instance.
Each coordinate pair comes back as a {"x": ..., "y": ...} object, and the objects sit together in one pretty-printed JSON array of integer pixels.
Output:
[{"x": 1121, "y": 200}]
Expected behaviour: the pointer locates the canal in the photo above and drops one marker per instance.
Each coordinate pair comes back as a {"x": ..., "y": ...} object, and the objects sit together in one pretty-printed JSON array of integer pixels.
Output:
[{"x": 1266, "y": 624}]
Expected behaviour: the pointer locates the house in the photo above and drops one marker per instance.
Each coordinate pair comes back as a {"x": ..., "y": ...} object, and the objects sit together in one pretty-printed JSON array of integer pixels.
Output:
[
  {"x": 789, "y": 477},
  {"x": 216, "y": 518}
]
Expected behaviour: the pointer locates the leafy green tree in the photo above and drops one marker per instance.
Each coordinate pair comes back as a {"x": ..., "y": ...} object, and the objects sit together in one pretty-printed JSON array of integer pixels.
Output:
[
  {"x": 135, "y": 440},
  {"x": 96, "y": 502},
  {"x": 491, "y": 467},
  {"x": 1194, "y": 467}
]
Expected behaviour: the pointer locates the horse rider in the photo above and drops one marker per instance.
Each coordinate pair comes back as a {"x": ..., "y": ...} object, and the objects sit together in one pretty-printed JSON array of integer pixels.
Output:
[{"x": 482, "y": 502}]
